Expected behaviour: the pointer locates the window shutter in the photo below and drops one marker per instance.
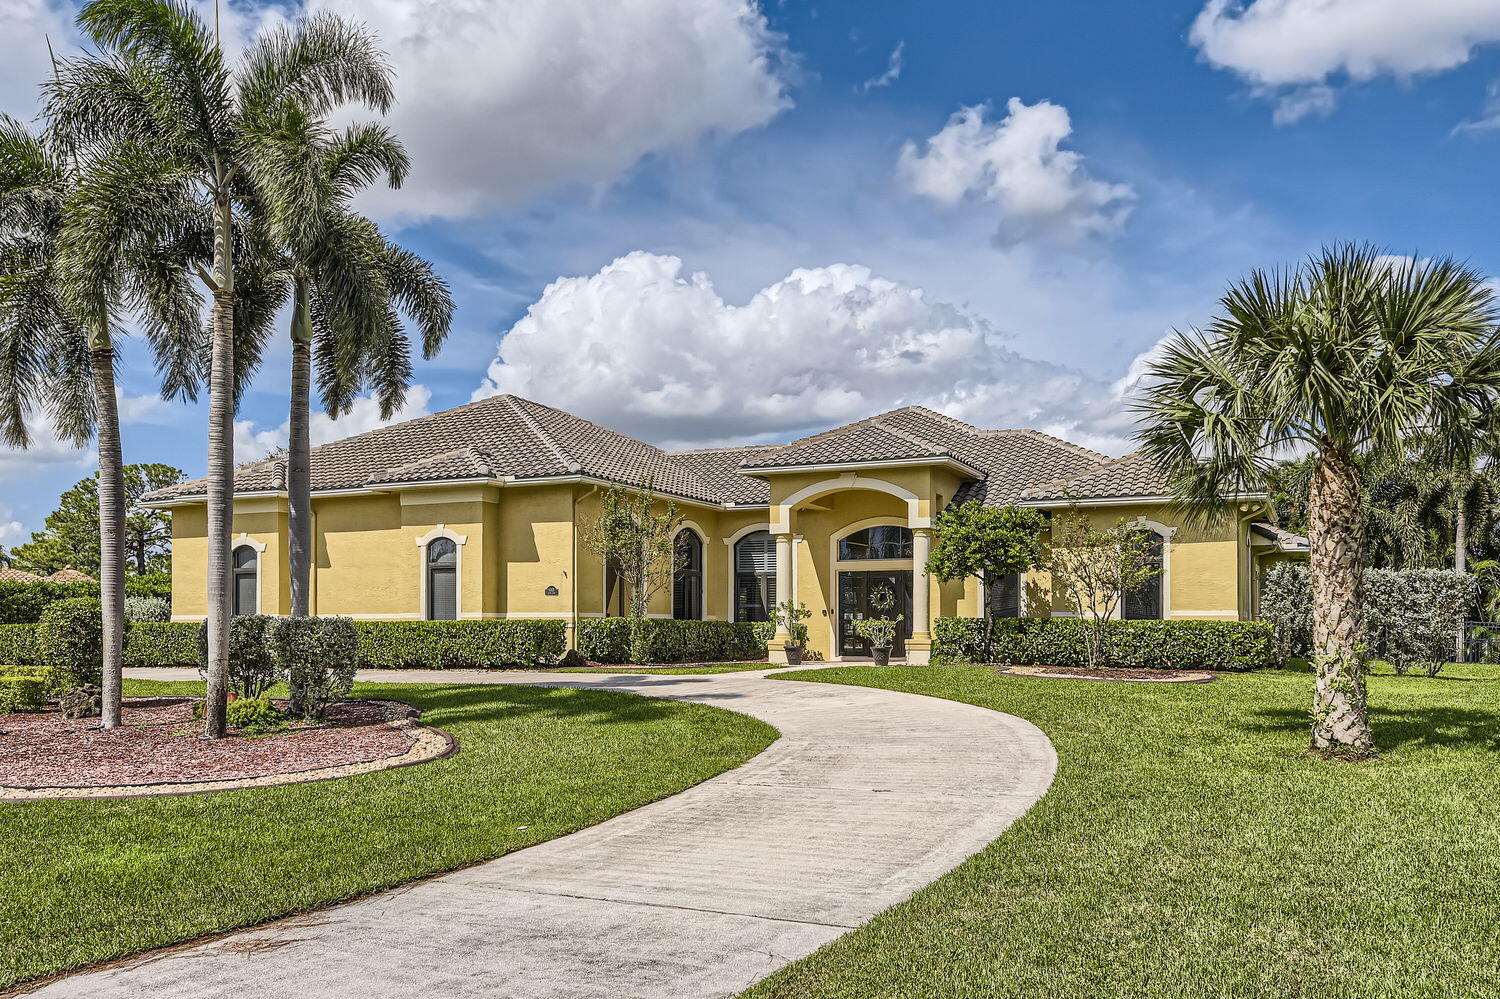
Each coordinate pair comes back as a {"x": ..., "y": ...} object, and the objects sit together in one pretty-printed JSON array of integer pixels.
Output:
[{"x": 442, "y": 594}]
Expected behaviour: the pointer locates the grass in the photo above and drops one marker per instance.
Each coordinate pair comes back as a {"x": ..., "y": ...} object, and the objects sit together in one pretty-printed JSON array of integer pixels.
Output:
[
  {"x": 668, "y": 670},
  {"x": 86, "y": 881},
  {"x": 1190, "y": 848}
]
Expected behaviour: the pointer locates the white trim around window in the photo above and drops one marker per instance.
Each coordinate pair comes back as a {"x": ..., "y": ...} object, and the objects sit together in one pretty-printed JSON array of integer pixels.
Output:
[
  {"x": 459, "y": 540},
  {"x": 246, "y": 541},
  {"x": 1141, "y": 523},
  {"x": 729, "y": 543}
]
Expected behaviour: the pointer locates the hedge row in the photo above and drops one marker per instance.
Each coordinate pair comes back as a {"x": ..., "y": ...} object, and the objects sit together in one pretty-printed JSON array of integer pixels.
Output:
[
  {"x": 461, "y": 644},
  {"x": 382, "y": 644},
  {"x": 608, "y": 640},
  {"x": 1219, "y": 645},
  {"x": 22, "y": 602}
]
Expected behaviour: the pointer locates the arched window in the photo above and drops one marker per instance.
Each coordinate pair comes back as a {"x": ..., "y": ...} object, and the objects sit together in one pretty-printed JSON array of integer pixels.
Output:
[
  {"x": 614, "y": 589},
  {"x": 1145, "y": 604},
  {"x": 754, "y": 577},
  {"x": 246, "y": 586},
  {"x": 442, "y": 580},
  {"x": 687, "y": 580},
  {"x": 885, "y": 542}
]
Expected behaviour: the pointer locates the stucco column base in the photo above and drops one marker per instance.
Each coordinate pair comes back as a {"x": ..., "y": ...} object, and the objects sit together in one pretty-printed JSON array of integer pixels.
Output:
[
  {"x": 919, "y": 649},
  {"x": 776, "y": 650}
]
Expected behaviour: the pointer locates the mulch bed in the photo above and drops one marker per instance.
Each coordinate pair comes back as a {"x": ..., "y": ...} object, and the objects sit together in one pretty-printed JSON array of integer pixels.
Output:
[
  {"x": 158, "y": 744},
  {"x": 1116, "y": 674}
]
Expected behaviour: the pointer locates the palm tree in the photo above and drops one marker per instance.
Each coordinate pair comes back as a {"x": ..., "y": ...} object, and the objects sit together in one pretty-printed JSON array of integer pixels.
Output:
[
  {"x": 182, "y": 124},
  {"x": 57, "y": 354},
  {"x": 348, "y": 287},
  {"x": 1350, "y": 353}
]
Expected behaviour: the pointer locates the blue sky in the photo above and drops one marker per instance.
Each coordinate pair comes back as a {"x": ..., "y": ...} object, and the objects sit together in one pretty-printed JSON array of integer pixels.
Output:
[{"x": 705, "y": 220}]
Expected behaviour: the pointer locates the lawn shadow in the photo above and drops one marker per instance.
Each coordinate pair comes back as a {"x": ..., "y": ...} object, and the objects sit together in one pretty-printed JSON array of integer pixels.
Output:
[
  {"x": 1398, "y": 728},
  {"x": 444, "y": 704}
]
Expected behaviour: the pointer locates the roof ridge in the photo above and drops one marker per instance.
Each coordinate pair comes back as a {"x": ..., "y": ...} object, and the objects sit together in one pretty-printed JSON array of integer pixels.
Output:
[
  {"x": 960, "y": 424},
  {"x": 1062, "y": 441},
  {"x": 723, "y": 449},
  {"x": 906, "y": 435},
  {"x": 571, "y": 464}
]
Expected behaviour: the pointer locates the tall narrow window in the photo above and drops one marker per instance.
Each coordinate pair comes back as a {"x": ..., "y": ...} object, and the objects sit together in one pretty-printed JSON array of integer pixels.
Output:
[
  {"x": 246, "y": 580},
  {"x": 1145, "y": 604},
  {"x": 1005, "y": 596},
  {"x": 442, "y": 580},
  {"x": 687, "y": 581},
  {"x": 614, "y": 590},
  {"x": 754, "y": 577}
]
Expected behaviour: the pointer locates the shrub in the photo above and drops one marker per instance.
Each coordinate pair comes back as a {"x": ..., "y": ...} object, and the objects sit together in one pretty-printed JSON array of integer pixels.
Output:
[
  {"x": 147, "y": 609},
  {"x": 18, "y": 644},
  {"x": 1412, "y": 616},
  {"x": 152, "y": 584},
  {"x": 252, "y": 671},
  {"x": 318, "y": 656},
  {"x": 70, "y": 643},
  {"x": 607, "y": 640},
  {"x": 23, "y": 603},
  {"x": 460, "y": 644},
  {"x": 1219, "y": 645},
  {"x": 163, "y": 643},
  {"x": 255, "y": 715},
  {"x": 22, "y": 689}
]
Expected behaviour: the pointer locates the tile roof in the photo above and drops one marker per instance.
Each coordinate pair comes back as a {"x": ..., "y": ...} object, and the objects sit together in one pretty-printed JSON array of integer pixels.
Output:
[
  {"x": 68, "y": 574},
  {"x": 1131, "y": 475},
  {"x": 507, "y": 436},
  {"x": 1287, "y": 541},
  {"x": 9, "y": 575}
]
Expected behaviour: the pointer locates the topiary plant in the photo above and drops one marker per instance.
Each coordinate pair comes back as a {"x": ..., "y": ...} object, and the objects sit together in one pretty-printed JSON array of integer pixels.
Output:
[
  {"x": 255, "y": 715},
  {"x": 70, "y": 643},
  {"x": 318, "y": 656},
  {"x": 252, "y": 670}
]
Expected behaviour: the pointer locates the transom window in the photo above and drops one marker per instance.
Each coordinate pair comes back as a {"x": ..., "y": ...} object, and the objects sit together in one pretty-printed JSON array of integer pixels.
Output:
[
  {"x": 687, "y": 580},
  {"x": 885, "y": 542},
  {"x": 754, "y": 577},
  {"x": 246, "y": 580},
  {"x": 442, "y": 580}
]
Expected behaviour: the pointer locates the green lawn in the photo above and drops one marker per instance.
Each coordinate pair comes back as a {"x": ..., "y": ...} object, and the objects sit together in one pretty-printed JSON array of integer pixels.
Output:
[
  {"x": 668, "y": 670},
  {"x": 1188, "y": 848},
  {"x": 91, "y": 880}
]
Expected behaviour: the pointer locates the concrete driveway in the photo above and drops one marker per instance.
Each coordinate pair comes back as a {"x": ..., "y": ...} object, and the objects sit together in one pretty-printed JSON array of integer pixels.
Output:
[{"x": 867, "y": 796}]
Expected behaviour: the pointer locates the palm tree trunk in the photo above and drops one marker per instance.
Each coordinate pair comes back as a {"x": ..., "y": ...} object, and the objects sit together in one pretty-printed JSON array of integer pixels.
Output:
[
  {"x": 221, "y": 405},
  {"x": 111, "y": 523},
  {"x": 1460, "y": 563},
  {"x": 1341, "y": 719},
  {"x": 299, "y": 456}
]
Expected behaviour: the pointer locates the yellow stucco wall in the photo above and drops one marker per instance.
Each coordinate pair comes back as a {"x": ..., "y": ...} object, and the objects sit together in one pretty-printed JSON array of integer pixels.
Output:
[{"x": 519, "y": 540}]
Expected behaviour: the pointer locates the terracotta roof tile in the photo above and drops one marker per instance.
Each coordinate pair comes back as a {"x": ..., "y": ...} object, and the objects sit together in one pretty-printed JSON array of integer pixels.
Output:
[
  {"x": 1131, "y": 475},
  {"x": 9, "y": 575}
]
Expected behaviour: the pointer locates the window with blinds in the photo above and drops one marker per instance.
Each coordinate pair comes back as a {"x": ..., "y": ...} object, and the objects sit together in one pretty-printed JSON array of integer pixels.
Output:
[
  {"x": 754, "y": 577},
  {"x": 687, "y": 580},
  {"x": 442, "y": 580},
  {"x": 1005, "y": 596},
  {"x": 246, "y": 587}
]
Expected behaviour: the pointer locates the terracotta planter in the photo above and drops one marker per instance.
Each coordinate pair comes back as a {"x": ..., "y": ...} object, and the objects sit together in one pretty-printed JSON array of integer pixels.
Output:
[
  {"x": 794, "y": 655},
  {"x": 882, "y": 656}
]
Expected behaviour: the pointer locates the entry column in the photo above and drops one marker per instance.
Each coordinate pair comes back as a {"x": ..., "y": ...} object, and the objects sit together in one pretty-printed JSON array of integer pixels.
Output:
[
  {"x": 919, "y": 646},
  {"x": 778, "y": 643}
]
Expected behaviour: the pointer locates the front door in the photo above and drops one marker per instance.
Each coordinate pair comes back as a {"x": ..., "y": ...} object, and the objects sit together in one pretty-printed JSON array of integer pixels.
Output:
[{"x": 861, "y": 595}]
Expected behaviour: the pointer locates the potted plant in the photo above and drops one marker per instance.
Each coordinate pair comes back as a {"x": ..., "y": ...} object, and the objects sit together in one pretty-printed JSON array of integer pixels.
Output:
[
  {"x": 791, "y": 616},
  {"x": 880, "y": 632}
]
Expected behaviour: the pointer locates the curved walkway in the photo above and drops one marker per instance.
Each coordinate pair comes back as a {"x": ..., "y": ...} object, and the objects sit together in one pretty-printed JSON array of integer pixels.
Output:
[{"x": 867, "y": 796}]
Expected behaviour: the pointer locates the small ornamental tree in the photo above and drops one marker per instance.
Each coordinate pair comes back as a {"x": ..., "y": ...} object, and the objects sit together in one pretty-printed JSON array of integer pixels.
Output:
[
  {"x": 635, "y": 533},
  {"x": 1094, "y": 570},
  {"x": 988, "y": 543}
]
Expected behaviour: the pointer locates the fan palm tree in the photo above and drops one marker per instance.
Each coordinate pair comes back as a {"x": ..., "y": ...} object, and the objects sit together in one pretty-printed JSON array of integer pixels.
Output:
[
  {"x": 1350, "y": 353},
  {"x": 57, "y": 354},
  {"x": 183, "y": 124},
  {"x": 349, "y": 287}
]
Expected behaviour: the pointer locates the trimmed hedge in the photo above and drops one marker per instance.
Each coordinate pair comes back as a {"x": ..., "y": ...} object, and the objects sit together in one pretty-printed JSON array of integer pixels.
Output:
[
  {"x": 70, "y": 643},
  {"x": 23, "y": 603},
  {"x": 607, "y": 640},
  {"x": 22, "y": 689},
  {"x": 1219, "y": 645},
  {"x": 522, "y": 642},
  {"x": 18, "y": 644},
  {"x": 162, "y": 643},
  {"x": 317, "y": 656}
]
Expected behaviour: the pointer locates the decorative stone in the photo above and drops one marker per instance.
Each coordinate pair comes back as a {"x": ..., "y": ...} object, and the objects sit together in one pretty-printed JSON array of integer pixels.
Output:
[
  {"x": 82, "y": 702},
  {"x": 572, "y": 658}
]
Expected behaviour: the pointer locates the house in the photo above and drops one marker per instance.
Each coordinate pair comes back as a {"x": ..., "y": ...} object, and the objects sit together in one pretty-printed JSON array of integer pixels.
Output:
[{"x": 477, "y": 512}]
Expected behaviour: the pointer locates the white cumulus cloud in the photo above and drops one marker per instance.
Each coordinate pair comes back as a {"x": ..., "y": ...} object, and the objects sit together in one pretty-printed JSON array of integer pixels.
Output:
[
  {"x": 655, "y": 352},
  {"x": 502, "y": 99},
  {"x": 251, "y": 444},
  {"x": 1018, "y": 166},
  {"x": 1292, "y": 49}
]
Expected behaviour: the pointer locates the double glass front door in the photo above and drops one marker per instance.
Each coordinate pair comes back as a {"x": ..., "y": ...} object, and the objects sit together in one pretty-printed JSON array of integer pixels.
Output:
[{"x": 873, "y": 593}]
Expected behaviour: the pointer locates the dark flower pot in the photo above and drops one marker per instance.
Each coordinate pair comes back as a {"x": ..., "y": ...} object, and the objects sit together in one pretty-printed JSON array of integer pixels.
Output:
[
  {"x": 794, "y": 655},
  {"x": 882, "y": 656}
]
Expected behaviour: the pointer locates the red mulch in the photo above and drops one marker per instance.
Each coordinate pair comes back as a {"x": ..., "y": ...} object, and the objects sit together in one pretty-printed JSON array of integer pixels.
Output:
[{"x": 158, "y": 744}]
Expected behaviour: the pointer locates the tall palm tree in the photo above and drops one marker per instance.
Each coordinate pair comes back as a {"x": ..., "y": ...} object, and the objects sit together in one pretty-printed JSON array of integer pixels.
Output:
[
  {"x": 184, "y": 124},
  {"x": 57, "y": 354},
  {"x": 1352, "y": 352},
  {"x": 349, "y": 286}
]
